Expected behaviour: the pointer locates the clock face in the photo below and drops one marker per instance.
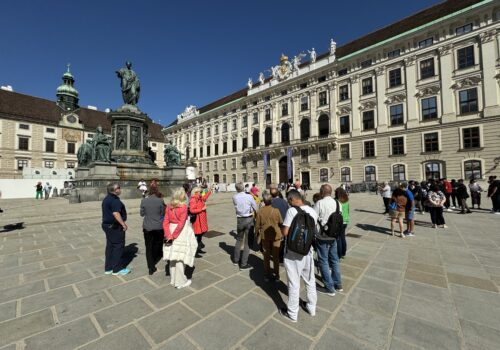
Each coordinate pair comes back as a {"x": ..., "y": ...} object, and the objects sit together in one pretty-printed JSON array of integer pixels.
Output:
[{"x": 71, "y": 119}]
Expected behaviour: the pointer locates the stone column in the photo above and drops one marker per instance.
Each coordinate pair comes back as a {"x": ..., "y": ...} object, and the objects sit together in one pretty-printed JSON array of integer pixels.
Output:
[
  {"x": 313, "y": 105},
  {"x": 448, "y": 98},
  {"x": 356, "y": 114},
  {"x": 332, "y": 101},
  {"x": 411, "y": 101},
  {"x": 275, "y": 118},
  {"x": 380, "y": 92},
  {"x": 491, "y": 91},
  {"x": 295, "y": 134},
  {"x": 262, "y": 114}
]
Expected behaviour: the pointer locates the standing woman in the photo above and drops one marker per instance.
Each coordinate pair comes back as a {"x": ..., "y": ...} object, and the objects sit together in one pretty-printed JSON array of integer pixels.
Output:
[
  {"x": 181, "y": 245},
  {"x": 197, "y": 207},
  {"x": 475, "y": 193},
  {"x": 153, "y": 210},
  {"x": 343, "y": 198},
  {"x": 397, "y": 209},
  {"x": 436, "y": 200}
]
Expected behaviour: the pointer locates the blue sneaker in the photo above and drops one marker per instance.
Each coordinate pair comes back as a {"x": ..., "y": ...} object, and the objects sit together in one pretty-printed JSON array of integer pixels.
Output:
[
  {"x": 108, "y": 272},
  {"x": 122, "y": 272}
]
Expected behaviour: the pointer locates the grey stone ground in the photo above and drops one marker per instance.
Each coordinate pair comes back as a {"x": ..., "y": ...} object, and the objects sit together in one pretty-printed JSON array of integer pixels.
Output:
[{"x": 438, "y": 290}]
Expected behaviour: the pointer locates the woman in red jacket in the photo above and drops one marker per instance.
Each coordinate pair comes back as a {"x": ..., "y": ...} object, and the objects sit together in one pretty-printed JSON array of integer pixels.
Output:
[{"x": 198, "y": 209}]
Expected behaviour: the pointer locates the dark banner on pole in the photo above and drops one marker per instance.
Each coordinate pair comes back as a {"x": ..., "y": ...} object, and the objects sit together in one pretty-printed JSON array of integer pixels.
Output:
[{"x": 289, "y": 163}]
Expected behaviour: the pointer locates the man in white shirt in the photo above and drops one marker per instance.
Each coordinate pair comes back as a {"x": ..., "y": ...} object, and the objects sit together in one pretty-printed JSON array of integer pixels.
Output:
[
  {"x": 326, "y": 246},
  {"x": 245, "y": 206},
  {"x": 298, "y": 266}
]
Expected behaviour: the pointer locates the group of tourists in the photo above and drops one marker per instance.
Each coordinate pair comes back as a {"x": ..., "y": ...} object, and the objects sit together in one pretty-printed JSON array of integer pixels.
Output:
[
  {"x": 296, "y": 230},
  {"x": 172, "y": 231},
  {"x": 43, "y": 191}
]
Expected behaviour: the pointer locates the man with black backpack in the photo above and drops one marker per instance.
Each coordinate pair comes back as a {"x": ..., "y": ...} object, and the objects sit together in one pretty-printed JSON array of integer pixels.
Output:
[
  {"x": 330, "y": 223},
  {"x": 299, "y": 228}
]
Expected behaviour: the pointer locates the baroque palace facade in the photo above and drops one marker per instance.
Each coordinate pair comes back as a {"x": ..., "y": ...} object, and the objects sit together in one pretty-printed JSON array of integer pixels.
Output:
[
  {"x": 415, "y": 100},
  {"x": 44, "y": 136}
]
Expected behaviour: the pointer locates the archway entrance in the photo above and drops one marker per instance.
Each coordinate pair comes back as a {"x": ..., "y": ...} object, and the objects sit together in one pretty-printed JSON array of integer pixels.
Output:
[{"x": 283, "y": 173}]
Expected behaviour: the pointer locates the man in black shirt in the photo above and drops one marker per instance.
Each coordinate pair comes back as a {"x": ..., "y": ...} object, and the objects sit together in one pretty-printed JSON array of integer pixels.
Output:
[{"x": 114, "y": 216}]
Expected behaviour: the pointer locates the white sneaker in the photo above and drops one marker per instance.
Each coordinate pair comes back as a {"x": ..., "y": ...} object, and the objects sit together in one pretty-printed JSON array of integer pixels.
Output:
[
  {"x": 498, "y": 212},
  {"x": 411, "y": 234},
  {"x": 449, "y": 209},
  {"x": 187, "y": 284}
]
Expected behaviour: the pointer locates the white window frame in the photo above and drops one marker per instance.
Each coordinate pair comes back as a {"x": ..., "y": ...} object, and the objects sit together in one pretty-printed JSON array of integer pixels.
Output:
[
  {"x": 392, "y": 171},
  {"x": 461, "y": 135},
  {"x": 439, "y": 141},
  {"x": 389, "y": 121},
  {"x": 479, "y": 101},
  {"x": 350, "y": 151},
  {"x": 462, "y": 164},
  {"x": 364, "y": 171},
  {"x": 438, "y": 108},
  {"x": 350, "y": 173},
  {"x": 375, "y": 145},
  {"x": 404, "y": 145},
  {"x": 327, "y": 174}
]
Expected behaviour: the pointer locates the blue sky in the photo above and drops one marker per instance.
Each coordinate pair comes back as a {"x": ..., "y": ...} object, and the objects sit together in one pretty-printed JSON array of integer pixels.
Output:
[{"x": 185, "y": 52}]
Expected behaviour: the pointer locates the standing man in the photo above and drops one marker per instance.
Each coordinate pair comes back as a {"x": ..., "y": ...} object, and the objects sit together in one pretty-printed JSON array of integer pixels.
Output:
[
  {"x": 282, "y": 206},
  {"x": 409, "y": 210},
  {"x": 385, "y": 192},
  {"x": 447, "y": 193},
  {"x": 245, "y": 206},
  {"x": 46, "y": 189},
  {"x": 462, "y": 196},
  {"x": 114, "y": 216},
  {"x": 326, "y": 246},
  {"x": 298, "y": 266}
]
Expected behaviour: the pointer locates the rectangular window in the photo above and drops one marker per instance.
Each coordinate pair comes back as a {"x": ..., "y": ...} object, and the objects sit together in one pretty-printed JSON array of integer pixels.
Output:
[
  {"x": 216, "y": 130},
  {"x": 244, "y": 122},
  {"x": 49, "y": 145},
  {"x": 304, "y": 105},
  {"x": 194, "y": 152},
  {"x": 224, "y": 162},
  {"x": 323, "y": 153},
  {"x": 235, "y": 145},
  {"x": 323, "y": 175},
  {"x": 345, "y": 174},
  {"x": 24, "y": 126},
  {"x": 398, "y": 146},
  {"x": 255, "y": 177},
  {"x": 233, "y": 178},
  {"x": 431, "y": 142},
  {"x": 49, "y": 164},
  {"x": 283, "y": 92},
  {"x": 224, "y": 127},
  {"x": 234, "y": 124},
  {"x": 245, "y": 143},
  {"x": 255, "y": 118},
  {"x": 368, "y": 120},
  {"x": 366, "y": 63},
  {"x": 224, "y": 148},
  {"x": 429, "y": 108},
  {"x": 254, "y": 163},
  {"x": 22, "y": 163},
  {"x": 24, "y": 143},
  {"x": 395, "y": 77},
  {"x": 201, "y": 152},
  {"x": 284, "y": 110},
  {"x": 344, "y": 92},
  {"x": 425, "y": 43},
  {"x": 201, "y": 134},
  {"x": 216, "y": 149},
  {"x": 304, "y": 155},
  {"x": 245, "y": 177},
  {"x": 233, "y": 163},
  {"x": 345, "y": 152},
  {"x": 473, "y": 169},
  {"x": 471, "y": 138},
  {"x": 322, "y": 79},
  {"x": 344, "y": 125},
  {"x": 208, "y": 151},
  {"x": 370, "y": 173},
  {"x": 465, "y": 57},
  {"x": 427, "y": 68},
  {"x": 208, "y": 131},
  {"x": 71, "y": 148},
  {"x": 397, "y": 117},
  {"x": 303, "y": 86},
  {"x": 367, "y": 85},
  {"x": 463, "y": 29},
  {"x": 468, "y": 101},
  {"x": 322, "y": 98},
  {"x": 342, "y": 72},
  {"x": 50, "y": 130},
  {"x": 369, "y": 147},
  {"x": 70, "y": 165},
  {"x": 394, "y": 53},
  {"x": 268, "y": 114},
  {"x": 207, "y": 166},
  {"x": 398, "y": 172}
]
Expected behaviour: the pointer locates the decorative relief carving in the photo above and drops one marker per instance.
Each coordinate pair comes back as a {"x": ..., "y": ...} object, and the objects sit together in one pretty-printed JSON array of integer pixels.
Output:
[
  {"x": 487, "y": 36},
  {"x": 445, "y": 49},
  {"x": 380, "y": 70},
  {"x": 428, "y": 91},
  {"x": 367, "y": 105},
  {"x": 344, "y": 110},
  {"x": 401, "y": 97},
  {"x": 71, "y": 135},
  {"x": 409, "y": 61},
  {"x": 354, "y": 78},
  {"x": 466, "y": 82}
]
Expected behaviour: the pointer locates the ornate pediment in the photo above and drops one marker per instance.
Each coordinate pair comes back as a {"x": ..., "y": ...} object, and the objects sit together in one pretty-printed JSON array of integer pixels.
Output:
[
  {"x": 189, "y": 112},
  {"x": 344, "y": 110},
  {"x": 400, "y": 97},
  {"x": 428, "y": 91},
  {"x": 466, "y": 82},
  {"x": 371, "y": 104}
]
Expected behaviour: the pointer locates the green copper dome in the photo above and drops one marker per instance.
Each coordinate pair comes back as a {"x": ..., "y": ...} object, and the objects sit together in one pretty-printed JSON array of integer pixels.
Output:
[{"x": 67, "y": 95}]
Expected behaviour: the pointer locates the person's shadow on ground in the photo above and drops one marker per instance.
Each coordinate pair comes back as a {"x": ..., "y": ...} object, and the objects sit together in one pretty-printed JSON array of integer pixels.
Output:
[
  {"x": 373, "y": 228},
  {"x": 12, "y": 227},
  {"x": 272, "y": 288},
  {"x": 129, "y": 253}
]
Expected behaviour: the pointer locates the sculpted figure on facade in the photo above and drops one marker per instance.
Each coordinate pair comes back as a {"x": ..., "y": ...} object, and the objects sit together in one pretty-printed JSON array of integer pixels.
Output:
[
  {"x": 121, "y": 137},
  {"x": 312, "y": 54},
  {"x": 102, "y": 147},
  {"x": 261, "y": 78},
  {"x": 130, "y": 84},
  {"x": 297, "y": 60},
  {"x": 249, "y": 83},
  {"x": 172, "y": 155},
  {"x": 333, "y": 48},
  {"x": 84, "y": 153}
]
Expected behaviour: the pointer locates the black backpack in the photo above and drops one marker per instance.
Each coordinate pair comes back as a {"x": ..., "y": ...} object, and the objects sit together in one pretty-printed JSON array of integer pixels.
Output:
[
  {"x": 333, "y": 226},
  {"x": 301, "y": 233}
]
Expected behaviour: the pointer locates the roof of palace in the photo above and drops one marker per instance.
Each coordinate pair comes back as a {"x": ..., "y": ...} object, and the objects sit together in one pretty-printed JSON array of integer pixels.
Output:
[
  {"x": 16, "y": 106},
  {"x": 413, "y": 21}
]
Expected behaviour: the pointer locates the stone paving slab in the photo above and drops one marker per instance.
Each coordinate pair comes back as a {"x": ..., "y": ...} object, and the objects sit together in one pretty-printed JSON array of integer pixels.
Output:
[{"x": 436, "y": 290}]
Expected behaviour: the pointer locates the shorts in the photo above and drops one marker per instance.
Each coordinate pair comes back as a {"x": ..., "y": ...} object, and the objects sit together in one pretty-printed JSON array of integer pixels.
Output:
[
  {"x": 410, "y": 215},
  {"x": 394, "y": 214}
]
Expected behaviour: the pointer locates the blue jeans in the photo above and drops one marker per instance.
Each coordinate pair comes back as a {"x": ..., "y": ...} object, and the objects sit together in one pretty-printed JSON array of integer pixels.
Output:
[{"x": 328, "y": 258}]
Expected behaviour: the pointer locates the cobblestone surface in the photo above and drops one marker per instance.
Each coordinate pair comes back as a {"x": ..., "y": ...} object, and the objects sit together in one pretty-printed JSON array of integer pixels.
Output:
[{"x": 437, "y": 290}]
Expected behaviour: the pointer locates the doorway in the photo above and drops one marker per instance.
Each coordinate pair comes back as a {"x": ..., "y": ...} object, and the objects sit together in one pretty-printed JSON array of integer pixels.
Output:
[
  {"x": 216, "y": 178},
  {"x": 283, "y": 173},
  {"x": 306, "y": 180}
]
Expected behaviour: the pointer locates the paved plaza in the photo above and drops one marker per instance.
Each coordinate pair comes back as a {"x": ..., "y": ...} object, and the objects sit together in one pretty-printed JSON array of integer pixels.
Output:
[{"x": 437, "y": 290}]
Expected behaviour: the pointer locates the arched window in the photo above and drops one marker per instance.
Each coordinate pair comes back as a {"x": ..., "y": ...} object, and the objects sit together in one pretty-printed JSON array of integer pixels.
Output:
[
  {"x": 472, "y": 169},
  {"x": 345, "y": 174},
  {"x": 268, "y": 136},
  {"x": 255, "y": 139},
  {"x": 433, "y": 170},
  {"x": 370, "y": 174},
  {"x": 398, "y": 172},
  {"x": 304, "y": 129},
  {"x": 285, "y": 132},
  {"x": 323, "y": 126}
]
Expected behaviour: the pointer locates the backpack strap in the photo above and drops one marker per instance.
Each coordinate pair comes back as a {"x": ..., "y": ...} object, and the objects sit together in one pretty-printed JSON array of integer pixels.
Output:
[{"x": 338, "y": 206}]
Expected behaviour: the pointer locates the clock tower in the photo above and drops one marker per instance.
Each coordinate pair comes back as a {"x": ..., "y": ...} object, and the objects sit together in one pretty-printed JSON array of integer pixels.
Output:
[{"x": 67, "y": 95}]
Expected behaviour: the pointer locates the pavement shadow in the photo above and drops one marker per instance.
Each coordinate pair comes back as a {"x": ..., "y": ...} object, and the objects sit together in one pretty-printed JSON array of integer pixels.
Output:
[
  {"x": 369, "y": 211},
  {"x": 13, "y": 227},
  {"x": 129, "y": 253},
  {"x": 373, "y": 228}
]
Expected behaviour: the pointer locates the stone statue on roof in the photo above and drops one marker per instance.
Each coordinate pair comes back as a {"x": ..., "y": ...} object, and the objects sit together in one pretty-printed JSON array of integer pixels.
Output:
[
  {"x": 131, "y": 87},
  {"x": 312, "y": 54},
  {"x": 296, "y": 60},
  {"x": 249, "y": 83},
  {"x": 333, "y": 48},
  {"x": 261, "y": 78}
]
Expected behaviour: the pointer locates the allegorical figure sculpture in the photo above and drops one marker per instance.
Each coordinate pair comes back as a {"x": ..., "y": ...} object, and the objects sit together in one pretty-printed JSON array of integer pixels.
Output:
[
  {"x": 102, "y": 147},
  {"x": 131, "y": 87},
  {"x": 172, "y": 155},
  {"x": 84, "y": 154}
]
